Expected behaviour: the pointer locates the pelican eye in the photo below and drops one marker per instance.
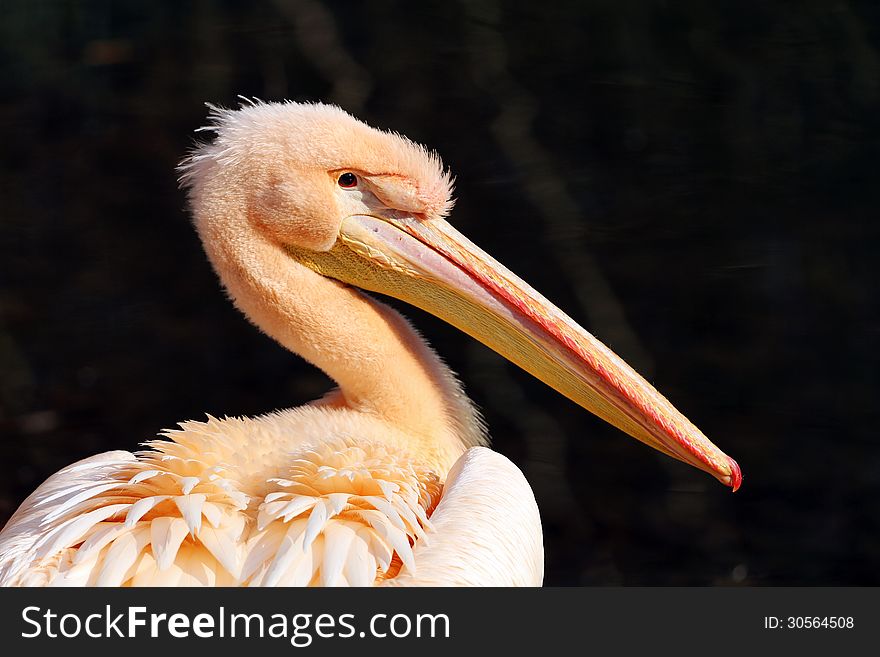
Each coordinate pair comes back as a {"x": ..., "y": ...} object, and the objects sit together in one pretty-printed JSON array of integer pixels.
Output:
[{"x": 348, "y": 180}]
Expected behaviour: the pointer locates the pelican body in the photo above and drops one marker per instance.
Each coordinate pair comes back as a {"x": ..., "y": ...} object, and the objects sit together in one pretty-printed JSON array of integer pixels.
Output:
[{"x": 386, "y": 480}]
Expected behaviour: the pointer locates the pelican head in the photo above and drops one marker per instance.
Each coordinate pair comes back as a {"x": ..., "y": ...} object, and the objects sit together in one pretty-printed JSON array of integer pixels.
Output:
[{"x": 367, "y": 208}]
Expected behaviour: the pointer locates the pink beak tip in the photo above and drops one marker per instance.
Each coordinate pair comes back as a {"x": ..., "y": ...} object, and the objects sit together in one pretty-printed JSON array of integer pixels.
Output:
[{"x": 736, "y": 476}]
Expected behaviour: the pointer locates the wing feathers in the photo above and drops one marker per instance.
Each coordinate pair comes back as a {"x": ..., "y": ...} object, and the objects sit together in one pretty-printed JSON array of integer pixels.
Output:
[{"x": 341, "y": 514}]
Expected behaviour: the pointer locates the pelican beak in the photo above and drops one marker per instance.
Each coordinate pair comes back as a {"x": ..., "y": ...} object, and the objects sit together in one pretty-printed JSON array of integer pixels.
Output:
[{"x": 429, "y": 264}]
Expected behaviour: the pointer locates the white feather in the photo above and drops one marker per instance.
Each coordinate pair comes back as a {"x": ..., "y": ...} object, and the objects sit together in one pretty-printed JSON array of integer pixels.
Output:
[
  {"x": 121, "y": 556},
  {"x": 141, "y": 507},
  {"x": 190, "y": 507},
  {"x": 338, "y": 537},
  {"x": 166, "y": 535},
  {"x": 223, "y": 544}
]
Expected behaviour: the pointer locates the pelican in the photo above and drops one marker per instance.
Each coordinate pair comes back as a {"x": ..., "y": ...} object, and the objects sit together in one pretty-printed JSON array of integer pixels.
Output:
[{"x": 304, "y": 211}]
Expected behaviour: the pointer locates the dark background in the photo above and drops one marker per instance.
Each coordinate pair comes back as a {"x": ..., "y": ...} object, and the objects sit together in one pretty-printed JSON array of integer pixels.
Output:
[{"x": 694, "y": 182}]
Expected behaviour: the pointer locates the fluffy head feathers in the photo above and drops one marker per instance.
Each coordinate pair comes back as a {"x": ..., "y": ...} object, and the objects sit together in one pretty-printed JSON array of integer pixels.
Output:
[{"x": 268, "y": 142}]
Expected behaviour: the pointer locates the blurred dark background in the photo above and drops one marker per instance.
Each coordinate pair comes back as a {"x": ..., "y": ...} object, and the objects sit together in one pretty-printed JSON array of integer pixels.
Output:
[{"x": 694, "y": 182}]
